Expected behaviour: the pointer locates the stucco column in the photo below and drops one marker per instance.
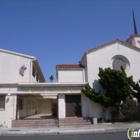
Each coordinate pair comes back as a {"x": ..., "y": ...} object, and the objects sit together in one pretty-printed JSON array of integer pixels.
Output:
[
  {"x": 15, "y": 107},
  {"x": 61, "y": 106},
  {"x": 10, "y": 106},
  {"x": 10, "y": 109}
]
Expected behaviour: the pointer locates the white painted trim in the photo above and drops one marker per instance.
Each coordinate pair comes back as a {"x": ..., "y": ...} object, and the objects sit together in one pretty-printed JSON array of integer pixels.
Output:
[
  {"x": 44, "y": 84},
  {"x": 52, "y": 84},
  {"x": 45, "y": 93},
  {"x": 19, "y": 54},
  {"x": 83, "y": 75}
]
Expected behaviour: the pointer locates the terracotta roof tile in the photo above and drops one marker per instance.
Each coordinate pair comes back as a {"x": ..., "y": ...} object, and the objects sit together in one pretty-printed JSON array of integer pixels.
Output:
[
  {"x": 108, "y": 43},
  {"x": 69, "y": 66},
  {"x": 97, "y": 47},
  {"x": 133, "y": 35},
  {"x": 101, "y": 46}
]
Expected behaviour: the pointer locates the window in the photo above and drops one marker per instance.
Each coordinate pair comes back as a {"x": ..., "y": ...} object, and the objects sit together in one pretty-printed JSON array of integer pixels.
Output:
[
  {"x": 117, "y": 63},
  {"x": 33, "y": 71},
  {"x": 2, "y": 102}
]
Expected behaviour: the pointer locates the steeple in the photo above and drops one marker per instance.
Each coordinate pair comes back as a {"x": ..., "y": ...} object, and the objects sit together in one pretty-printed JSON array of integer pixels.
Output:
[{"x": 134, "y": 22}]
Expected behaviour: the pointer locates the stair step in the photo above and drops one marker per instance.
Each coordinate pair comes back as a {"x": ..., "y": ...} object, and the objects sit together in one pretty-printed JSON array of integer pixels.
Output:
[
  {"x": 34, "y": 123},
  {"x": 52, "y": 123},
  {"x": 74, "y": 122}
]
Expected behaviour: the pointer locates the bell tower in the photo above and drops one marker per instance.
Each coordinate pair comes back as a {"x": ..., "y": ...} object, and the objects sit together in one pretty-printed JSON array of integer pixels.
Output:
[{"x": 134, "y": 39}]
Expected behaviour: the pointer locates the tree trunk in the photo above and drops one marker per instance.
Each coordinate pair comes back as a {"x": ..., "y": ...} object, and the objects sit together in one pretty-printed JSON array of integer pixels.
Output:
[{"x": 104, "y": 114}]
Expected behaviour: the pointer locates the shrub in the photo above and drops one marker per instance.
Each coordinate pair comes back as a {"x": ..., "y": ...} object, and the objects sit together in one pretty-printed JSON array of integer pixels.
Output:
[{"x": 129, "y": 112}]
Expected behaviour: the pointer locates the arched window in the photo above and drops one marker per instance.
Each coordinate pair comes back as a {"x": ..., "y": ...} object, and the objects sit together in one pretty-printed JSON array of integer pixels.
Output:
[{"x": 118, "y": 61}]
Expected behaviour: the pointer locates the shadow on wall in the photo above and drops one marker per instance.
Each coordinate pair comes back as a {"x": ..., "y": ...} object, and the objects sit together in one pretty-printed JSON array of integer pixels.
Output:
[{"x": 97, "y": 86}]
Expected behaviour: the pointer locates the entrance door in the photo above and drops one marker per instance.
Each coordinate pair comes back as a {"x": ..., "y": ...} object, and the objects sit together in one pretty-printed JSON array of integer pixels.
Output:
[{"x": 73, "y": 105}]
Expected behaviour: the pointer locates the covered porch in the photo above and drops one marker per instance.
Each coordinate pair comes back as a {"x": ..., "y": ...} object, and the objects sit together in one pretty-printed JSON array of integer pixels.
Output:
[
  {"x": 33, "y": 107},
  {"x": 48, "y": 98},
  {"x": 38, "y": 101}
]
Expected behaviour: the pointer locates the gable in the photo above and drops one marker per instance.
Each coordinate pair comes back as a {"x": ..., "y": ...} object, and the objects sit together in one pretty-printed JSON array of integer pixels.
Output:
[
  {"x": 126, "y": 44},
  {"x": 12, "y": 61}
]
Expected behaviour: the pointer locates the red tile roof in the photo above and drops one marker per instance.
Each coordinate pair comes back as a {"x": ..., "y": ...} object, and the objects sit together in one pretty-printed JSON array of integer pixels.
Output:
[
  {"x": 108, "y": 43},
  {"x": 61, "y": 66},
  {"x": 133, "y": 35},
  {"x": 69, "y": 66},
  {"x": 101, "y": 46}
]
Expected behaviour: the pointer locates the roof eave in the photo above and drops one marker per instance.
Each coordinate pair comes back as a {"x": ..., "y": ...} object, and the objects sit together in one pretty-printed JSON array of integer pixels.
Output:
[
  {"x": 109, "y": 43},
  {"x": 16, "y": 53},
  {"x": 132, "y": 36},
  {"x": 83, "y": 57},
  {"x": 52, "y": 84},
  {"x": 40, "y": 71},
  {"x": 69, "y": 68}
]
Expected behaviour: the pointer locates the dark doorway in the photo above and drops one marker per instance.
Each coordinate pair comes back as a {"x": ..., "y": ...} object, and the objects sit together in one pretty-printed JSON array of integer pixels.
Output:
[{"x": 73, "y": 105}]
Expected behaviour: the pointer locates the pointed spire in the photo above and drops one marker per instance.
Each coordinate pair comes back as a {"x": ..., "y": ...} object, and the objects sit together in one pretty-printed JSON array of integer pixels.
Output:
[{"x": 134, "y": 22}]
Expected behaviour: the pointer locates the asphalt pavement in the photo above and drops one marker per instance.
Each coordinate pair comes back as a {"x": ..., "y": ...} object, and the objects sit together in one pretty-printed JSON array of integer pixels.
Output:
[
  {"x": 103, "y": 127},
  {"x": 85, "y": 136}
]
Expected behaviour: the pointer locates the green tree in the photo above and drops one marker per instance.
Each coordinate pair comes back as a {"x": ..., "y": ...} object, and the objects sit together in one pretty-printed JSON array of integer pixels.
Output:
[
  {"x": 116, "y": 83},
  {"x": 51, "y": 78},
  {"x": 117, "y": 88},
  {"x": 129, "y": 111},
  {"x": 136, "y": 91}
]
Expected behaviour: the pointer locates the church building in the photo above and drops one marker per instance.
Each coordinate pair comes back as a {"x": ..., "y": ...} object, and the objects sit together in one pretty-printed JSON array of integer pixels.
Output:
[{"x": 24, "y": 91}]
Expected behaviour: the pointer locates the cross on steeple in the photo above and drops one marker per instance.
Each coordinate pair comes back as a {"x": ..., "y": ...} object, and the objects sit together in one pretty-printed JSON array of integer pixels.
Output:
[{"x": 134, "y": 22}]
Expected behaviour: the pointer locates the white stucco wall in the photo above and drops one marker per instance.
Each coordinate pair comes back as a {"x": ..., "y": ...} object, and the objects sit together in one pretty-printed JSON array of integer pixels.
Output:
[
  {"x": 9, "y": 113},
  {"x": 137, "y": 41},
  {"x": 84, "y": 106},
  {"x": 10, "y": 65},
  {"x": 103, "y": 59},
  {"x": 90, "y": 108},
  {"x": 28, "y": 107},
  {"x": 95, "y": 109},
  {"x": 45, "y": 106},
  {"x": 61, "y": 106},
  {"x": 71, "y": 75}
]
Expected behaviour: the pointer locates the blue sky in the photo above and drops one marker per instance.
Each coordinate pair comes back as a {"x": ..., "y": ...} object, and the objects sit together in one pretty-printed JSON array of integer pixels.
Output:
[{"x": 60, "y": 31}]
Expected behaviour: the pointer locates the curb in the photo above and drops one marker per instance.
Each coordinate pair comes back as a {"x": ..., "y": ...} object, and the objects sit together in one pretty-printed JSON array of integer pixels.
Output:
[
  {"x": 27, "y": 133},
  {"x": 61, "y": 131},
  {"x": 81, "y": 131},
  {"x": 56, "y": 132}
]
